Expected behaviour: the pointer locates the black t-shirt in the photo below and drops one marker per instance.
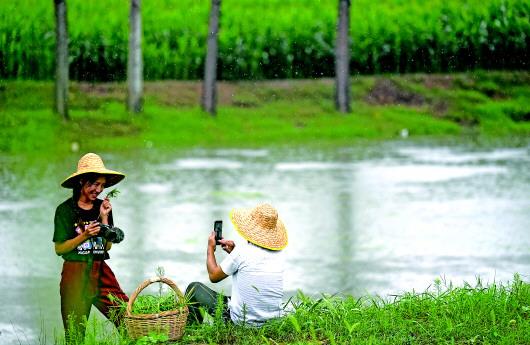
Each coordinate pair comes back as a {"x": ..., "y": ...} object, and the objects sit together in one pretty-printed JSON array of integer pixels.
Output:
[{"x": 69, "y": 222}]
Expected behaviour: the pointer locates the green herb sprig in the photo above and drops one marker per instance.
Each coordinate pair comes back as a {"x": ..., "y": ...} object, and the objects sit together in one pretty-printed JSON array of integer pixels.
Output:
[{"x": 113, "y": 193}]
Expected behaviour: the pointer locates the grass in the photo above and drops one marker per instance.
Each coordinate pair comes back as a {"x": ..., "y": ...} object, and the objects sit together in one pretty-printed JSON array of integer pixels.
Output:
[
  {"x": 268, "y": 113},
  {"x": 444, "y": 314}
]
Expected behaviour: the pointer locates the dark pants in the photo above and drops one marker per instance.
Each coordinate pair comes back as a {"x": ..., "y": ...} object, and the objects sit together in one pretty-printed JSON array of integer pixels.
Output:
[
  {"x": 203, "y": 296},
  {"x": 83, "y": 286}
]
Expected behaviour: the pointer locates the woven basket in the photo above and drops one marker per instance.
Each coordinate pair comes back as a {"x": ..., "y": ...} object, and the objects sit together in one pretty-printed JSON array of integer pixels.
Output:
[{"x": 170, "y": 322}]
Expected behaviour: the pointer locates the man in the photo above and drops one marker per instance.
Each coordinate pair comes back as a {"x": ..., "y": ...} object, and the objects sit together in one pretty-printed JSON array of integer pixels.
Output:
[{"x": 256, "y": 268}]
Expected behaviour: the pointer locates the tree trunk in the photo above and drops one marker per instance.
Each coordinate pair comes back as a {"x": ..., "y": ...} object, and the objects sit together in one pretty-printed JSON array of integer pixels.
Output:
[
  {"x": 342, "y": 59},
  {"x": 61, "y": 59},
  {"x": 209, "y": 94},
  {"x": 134, "y": 64}
]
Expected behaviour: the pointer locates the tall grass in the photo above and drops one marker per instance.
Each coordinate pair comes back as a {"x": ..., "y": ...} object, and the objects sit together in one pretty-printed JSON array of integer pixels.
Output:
[
  {"x": 267, "y": 38},
  {"x": 444, "y": 314}
]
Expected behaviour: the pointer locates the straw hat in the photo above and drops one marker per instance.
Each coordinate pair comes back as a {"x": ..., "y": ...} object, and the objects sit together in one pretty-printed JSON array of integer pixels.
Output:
[
  {"x": 260, "y": 225},
  {"x": 92, "y": 163}
]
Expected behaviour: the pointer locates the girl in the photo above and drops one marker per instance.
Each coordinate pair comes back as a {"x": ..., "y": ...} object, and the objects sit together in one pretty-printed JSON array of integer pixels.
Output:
[{"x": 86, "y": 278}]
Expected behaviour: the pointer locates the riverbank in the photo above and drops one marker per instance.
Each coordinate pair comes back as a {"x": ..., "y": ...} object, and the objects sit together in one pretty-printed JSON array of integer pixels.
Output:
[
  {"x": 471, "y": 314},
  {"x": 482, "y": 105}
]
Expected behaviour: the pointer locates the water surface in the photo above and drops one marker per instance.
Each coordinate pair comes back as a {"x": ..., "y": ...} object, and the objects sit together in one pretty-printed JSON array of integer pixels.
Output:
[{"x": 374, "y": 219}]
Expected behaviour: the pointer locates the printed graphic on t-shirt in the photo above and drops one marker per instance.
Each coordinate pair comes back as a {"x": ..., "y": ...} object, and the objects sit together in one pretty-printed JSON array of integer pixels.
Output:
[{"x": 94, "y": 245}]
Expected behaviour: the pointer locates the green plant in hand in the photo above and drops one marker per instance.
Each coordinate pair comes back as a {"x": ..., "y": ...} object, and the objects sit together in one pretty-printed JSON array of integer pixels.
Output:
[{"x": 113, "y": 193}]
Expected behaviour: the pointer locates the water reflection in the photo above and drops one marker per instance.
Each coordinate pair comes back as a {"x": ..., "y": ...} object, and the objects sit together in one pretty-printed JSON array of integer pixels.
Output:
[{"x": 378, "y": 219}]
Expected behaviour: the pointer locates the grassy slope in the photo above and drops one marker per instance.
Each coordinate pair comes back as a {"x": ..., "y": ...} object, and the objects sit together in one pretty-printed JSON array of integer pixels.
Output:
[
  {"x": 447, "y": 315},
  {"x": 495, "y": 314},
  {"x": 253, "y": 114}
]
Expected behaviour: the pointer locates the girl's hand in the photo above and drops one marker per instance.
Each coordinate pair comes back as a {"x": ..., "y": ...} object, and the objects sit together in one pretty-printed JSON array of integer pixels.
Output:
[
  {"x": 105, "y": 209},
  {"x": 91, "y": 230}
]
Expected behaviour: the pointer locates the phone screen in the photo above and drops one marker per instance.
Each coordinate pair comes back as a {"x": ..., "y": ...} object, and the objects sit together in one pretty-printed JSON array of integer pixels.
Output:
[{"x": 218, "y": 228}]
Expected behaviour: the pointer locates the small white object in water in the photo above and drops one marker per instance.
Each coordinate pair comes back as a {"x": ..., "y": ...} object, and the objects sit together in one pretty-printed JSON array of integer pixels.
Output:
[
  {"x": 74, "y": 146},
  {"x": 404, "y": 133}
]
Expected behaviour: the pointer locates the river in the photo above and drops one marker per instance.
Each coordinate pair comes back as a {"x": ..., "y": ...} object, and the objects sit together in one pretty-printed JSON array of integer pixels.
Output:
[{"x": 378, "y": 219}]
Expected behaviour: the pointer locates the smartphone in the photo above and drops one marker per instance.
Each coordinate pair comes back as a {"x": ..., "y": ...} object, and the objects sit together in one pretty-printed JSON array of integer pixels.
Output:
[{"x": 218, "y": 228}]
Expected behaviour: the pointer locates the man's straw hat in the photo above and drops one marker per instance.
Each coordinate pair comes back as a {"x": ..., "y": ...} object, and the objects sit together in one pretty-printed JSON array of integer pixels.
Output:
[
  {"x": 92, "y": 163},
  {"x": 260, "y": 225}
]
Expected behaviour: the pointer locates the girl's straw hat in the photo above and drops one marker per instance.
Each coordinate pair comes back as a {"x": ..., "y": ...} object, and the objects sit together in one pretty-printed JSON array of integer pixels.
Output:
[
  {"x": 260, "y": 225},
  {"x": 92, "y": 163}
]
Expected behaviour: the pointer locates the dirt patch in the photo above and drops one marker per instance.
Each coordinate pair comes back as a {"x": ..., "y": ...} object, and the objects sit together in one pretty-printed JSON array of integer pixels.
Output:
[
  {"x": 174, "y": 93},
  {"x": 188, "y": 93},
  {"x": 102, "y": 90},
  {"x": 226, "y": 92},
  {"x": 438, "y": 81},
  {"x": 385, "y": 91},
  {"x": 244, "y": 94},
  {"x": 440, "y": 108}
]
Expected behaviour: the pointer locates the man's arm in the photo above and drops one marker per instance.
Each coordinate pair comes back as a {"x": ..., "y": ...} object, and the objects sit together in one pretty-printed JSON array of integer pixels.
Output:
[{"x": 215, "y": 273}]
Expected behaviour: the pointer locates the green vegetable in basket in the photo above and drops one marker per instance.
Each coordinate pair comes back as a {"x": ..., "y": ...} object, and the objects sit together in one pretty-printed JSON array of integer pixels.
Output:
[
  {"x": 153, "y": 304},
  {"x": 150, "y": 304}
]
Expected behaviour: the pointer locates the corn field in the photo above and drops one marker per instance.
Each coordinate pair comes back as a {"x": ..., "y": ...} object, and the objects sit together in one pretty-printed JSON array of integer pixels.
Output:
[{"x": 266, "y": 39}]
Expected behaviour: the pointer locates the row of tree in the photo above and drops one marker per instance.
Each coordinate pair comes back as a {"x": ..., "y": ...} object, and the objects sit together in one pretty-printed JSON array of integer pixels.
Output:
[{"x": 209, "y": 93}]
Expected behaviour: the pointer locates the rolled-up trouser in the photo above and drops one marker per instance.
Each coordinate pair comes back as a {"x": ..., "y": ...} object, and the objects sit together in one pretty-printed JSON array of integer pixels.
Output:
[
  {"x": 83, "y": 286},
  {"x": 202, "y": 296}
]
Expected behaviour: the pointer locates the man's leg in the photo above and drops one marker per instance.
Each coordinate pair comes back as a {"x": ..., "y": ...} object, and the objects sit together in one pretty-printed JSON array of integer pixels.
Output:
[{"x": 202, "y": 296}]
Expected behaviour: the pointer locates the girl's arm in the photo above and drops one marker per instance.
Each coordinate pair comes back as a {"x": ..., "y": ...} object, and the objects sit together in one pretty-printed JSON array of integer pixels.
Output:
[{"x": 67, "y": 246}]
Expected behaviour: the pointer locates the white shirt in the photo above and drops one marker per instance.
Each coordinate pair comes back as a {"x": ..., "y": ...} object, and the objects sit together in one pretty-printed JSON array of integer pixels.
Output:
[{"x": 257, "y": 283}]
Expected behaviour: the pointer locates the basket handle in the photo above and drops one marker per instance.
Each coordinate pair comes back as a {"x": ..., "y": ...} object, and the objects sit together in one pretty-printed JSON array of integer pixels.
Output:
[{"x": 145, "y": 284}]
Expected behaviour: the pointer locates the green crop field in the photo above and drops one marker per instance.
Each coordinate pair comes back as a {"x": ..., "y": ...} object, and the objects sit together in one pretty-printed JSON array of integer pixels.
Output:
[{"x": 267, "y": 39}]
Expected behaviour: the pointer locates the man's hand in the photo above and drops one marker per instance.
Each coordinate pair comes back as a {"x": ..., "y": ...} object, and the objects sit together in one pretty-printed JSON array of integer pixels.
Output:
[
  {"x": 215, "y": 273},
  {"x": 227, "y": 245},
  {"x": 211, "y": 241}
]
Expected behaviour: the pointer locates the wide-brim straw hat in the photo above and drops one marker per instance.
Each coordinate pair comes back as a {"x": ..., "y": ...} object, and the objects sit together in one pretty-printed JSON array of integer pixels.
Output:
[
  {"x": 261, "y": 226},
  {"x": 92, "y": 163}
]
